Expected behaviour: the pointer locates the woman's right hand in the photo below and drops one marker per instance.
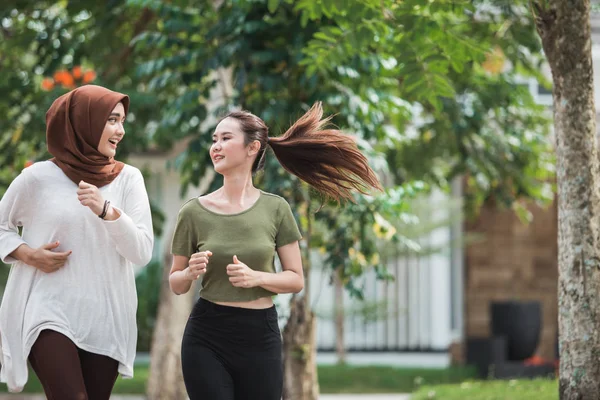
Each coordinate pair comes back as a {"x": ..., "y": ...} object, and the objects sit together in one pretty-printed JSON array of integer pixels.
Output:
[
  {"x": 46, "y": 260},
  {"x": 197, "y": 265}
]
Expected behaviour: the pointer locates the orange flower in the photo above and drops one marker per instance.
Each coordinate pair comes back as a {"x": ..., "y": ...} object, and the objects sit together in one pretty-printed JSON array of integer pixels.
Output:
[
  {"x": 59, "y": 76},
  {"x": 68, "y": 81},
  {"x": 28, "y": 163},
  {"x": 47, "y": 84},
  {"x": 89, "y": 76},
  {"x": 77, "y": 72},
  {"x": 65, "y": 78}
]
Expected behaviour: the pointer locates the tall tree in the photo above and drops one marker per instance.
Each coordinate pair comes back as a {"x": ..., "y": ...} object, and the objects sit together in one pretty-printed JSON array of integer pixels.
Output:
[{"x": 564, "y": 27}]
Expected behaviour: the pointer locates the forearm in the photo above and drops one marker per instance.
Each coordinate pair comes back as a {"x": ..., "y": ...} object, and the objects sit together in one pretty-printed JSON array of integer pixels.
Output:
[
  {"x": 10, "y": 242},
  {"x": 130, "y": 227},
  {"x": 281, "y": 282},
  {"x": 134, "y": 241},
  {"x": 179, "y": 282},
  {"x": 22, "y": 253}
]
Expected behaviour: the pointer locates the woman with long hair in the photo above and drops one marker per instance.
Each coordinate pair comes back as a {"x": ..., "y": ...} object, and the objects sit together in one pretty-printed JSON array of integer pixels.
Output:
[{"x": 232, "y": 346}]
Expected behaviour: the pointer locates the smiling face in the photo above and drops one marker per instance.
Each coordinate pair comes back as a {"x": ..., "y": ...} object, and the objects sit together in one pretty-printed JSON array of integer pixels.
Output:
[
  {"x": 229, "y": 149},
  {"x": 113, "y": 132}
]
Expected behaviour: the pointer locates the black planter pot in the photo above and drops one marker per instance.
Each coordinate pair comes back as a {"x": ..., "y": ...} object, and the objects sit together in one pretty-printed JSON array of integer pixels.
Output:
[{"x": 520, "y": 322}]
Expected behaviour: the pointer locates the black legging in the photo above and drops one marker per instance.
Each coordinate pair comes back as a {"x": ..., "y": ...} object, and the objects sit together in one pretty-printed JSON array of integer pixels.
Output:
[
  {"x": 232, "y": 353},
  {"x": 69, "y": 373}
]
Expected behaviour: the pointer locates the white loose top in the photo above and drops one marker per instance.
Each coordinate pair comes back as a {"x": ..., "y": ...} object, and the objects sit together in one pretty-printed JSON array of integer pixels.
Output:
[{"x": 92, "y": 299}]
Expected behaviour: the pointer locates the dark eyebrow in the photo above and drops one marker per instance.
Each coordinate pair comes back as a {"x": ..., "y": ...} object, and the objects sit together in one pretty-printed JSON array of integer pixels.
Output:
[
  {"x": 223, "y": 133},
  {"x": 115, "y": 115}
]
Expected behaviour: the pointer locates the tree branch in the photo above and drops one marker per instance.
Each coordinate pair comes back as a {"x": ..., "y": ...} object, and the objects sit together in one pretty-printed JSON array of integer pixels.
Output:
[{"x": 140, "y": 25}]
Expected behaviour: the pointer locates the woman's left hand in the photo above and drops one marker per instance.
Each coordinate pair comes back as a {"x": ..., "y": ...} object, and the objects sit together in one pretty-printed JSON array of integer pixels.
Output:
[
  {"x": 240, "y": 275},
  {"x": 90, "y": 196}
]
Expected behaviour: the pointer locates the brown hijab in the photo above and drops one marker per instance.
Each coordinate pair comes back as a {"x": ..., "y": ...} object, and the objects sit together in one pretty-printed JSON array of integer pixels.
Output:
[{"x": 74, "y": 126}]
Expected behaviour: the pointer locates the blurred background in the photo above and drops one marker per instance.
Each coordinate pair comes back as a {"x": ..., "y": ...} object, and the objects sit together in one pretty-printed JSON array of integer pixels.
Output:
[{"x": 450, "y": 276}]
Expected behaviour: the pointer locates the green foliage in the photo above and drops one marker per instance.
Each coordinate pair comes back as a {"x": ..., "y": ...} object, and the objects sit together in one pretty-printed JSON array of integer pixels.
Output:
[
  {"x": 476, "y": 120},
  {"x": 420, "y": 42},
  {"x": 148, "y": 284}
]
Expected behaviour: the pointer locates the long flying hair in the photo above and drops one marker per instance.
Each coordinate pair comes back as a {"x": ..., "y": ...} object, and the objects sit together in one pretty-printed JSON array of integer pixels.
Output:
[{"x": 327, "y": 159}]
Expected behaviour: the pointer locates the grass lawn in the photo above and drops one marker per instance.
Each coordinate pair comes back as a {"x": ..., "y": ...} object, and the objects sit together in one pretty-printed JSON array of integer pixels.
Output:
[
  {"x": 538, "y": 389},
  {"x": 377, "y": 379},
  {"x": 332, "y": 379}
]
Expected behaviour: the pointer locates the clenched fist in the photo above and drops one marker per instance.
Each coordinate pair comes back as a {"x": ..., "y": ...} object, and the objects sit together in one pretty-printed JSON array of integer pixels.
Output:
[
  {"x": 90, "y": 196},
  {"x": 197, "y": 265},
  {"x": 241, "y": 275}
]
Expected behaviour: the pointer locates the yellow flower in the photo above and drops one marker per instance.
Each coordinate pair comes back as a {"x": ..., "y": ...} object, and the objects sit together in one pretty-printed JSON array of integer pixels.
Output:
[
  {"x": 382, "y": 228},
  {"x": 378, "y": 230},
  {"x": 427, "y": 135},
  {"x": 494, "y": 61},
  {"x": 362, "y": 260},
  {"x": 375, "y": 259}
]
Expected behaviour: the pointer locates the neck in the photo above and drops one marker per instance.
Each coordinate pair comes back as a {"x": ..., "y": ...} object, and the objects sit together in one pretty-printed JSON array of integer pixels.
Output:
[{"x": 238, "y": 188}]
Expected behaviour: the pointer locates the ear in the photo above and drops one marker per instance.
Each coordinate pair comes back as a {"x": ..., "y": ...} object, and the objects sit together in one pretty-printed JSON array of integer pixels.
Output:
[{"x": 253, "y": 148}]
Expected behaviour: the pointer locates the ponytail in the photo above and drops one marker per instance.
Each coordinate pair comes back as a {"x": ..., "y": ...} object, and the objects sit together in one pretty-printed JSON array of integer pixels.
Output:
[{"x": 326, "y": 159}]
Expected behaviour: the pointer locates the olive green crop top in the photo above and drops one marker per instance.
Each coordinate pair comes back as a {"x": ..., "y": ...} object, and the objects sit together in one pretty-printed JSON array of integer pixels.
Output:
[{"x": 253, "y": 235}]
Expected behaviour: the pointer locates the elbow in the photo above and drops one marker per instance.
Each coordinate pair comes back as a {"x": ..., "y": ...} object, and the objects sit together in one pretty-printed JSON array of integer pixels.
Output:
[
  {"x": 298, "y": 289},
  {"x": 145, "y": 255},
  {"x": 299, "y": 285},
  {"x": 142, "y": 259},
  {"x": 174, "y": 287},
  {"x": 146, "y": 258}
]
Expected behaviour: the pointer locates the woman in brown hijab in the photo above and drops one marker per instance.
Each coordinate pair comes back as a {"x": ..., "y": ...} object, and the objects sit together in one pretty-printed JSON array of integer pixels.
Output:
[{"x": 70, "y": 301}]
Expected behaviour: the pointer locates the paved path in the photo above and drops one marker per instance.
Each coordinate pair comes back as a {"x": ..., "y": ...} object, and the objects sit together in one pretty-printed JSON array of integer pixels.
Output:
[{"x": 322, "y": 397}]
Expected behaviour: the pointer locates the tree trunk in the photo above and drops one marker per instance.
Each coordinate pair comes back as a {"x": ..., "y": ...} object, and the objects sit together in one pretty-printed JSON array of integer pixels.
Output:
[
  {"x": 299, "y": 353},
  {"x": 300, "y": 380},
  {"x": 564, "y": 27},
  {"x": 165, "y": 380},
  {"x": 340, "y": 346}
]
